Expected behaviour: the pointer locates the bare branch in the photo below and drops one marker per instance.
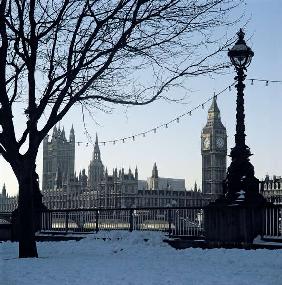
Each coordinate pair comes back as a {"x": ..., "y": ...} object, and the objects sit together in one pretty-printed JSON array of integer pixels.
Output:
[{"x": 95, "y": 52}]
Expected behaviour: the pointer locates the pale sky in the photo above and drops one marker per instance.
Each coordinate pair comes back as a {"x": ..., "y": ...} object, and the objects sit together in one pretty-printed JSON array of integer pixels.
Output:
[{"x": 176, "y": 150}]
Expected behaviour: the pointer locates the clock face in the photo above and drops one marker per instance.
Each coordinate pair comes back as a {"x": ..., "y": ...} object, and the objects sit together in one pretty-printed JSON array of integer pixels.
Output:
[
  {"x": 220, "y": 142},
  {"x": 206, "y": 143}
]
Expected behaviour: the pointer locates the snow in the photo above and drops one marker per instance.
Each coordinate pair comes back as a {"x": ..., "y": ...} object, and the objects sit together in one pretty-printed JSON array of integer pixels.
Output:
[
  {"x": 120, "y": 257},
  {"x": 259, "y": 240},
  {"x": 241, "y": 195}
]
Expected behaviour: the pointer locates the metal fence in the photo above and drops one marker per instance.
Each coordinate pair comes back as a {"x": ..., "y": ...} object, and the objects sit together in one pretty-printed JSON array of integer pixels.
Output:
[
  {"x": 5, "y": 217},
  {"x": 178, "y": 221},
  {"x": 273, "y": 222},
  {"x": 8, "y": 204}
]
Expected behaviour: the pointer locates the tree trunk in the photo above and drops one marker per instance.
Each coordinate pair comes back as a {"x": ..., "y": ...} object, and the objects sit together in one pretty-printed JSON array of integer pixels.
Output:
[{"x": 26, "y": 227}]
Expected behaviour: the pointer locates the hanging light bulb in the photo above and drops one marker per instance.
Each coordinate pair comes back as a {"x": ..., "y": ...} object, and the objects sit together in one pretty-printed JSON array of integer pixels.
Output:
[{"x": 176, "y": 119}]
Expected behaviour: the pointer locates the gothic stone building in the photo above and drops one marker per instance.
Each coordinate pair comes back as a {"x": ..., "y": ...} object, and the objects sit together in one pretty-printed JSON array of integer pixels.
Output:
[
  {"x": 214, "y": 150},
  {"x": 58, "y": 159},
  {"x": 271, "y": 189},
  {"x": 7, "y": 204},
  {"x": 160, "y": 183},
  {"x": 63, "y": 189}
]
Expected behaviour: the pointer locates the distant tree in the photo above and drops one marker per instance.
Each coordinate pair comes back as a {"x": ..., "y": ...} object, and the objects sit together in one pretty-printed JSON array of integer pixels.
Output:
[{"x": 55, "y": 54}]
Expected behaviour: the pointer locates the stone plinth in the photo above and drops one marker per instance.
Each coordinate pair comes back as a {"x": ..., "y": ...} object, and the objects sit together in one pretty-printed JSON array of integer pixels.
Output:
[
  {"x": 5, "y": 231},
  {"x": 232, "y": 223}
]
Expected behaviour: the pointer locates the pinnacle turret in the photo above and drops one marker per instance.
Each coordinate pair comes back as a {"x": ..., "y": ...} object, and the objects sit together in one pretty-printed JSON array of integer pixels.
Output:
[
  {"x": 63, "y": 135},
  {"x": 136, "y": 173},
  {"x": 96, "y": 153},
  {"x": 96, "y": 167},
  {"x": 4, "y": 191},
  {"x": 55, "y": 132},
  {"x": 195, "y": 187},
  {"x": 72, "y": 136},
  {"x": 155, "y": 173}
]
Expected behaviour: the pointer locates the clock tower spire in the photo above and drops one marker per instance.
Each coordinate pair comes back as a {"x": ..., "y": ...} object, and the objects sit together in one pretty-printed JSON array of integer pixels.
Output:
[{"x": 214, "y": 151}]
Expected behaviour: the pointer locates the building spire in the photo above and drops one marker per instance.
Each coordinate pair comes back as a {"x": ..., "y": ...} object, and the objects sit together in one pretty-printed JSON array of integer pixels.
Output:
[
  {"x": 214, "y": 119},
  {"x": 4, "y": 191},
  {"x": 63, "y": 135},
  {"x": 55, "y": 132},
  {"x": 136, "y": 173},
  {"x": 214, "y": 108},
  {"x": 195, "y": 187},
  {"x": 154, "y": 184},
  {"x": 155, "y": 173},
  {"x": 96, "y": 153},
  {"x": 72, "y": 136}
]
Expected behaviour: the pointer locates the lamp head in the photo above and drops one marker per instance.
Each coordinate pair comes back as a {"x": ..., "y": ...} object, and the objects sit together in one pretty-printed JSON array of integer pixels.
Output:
[{"x": 240, "y": 54}]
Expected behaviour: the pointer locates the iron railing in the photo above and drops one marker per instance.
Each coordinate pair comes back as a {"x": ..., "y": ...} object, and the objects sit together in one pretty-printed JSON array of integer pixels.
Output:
[
  {"x": 5, "y": 217},
  {"x": 273, "y": 222},
  {"x": 180, "y": 221},
  {"x": 177, "y": 221}
]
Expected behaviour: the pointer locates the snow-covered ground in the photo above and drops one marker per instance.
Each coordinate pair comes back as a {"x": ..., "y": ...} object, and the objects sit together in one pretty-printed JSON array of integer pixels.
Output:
[{"x": 126, "y": 259}]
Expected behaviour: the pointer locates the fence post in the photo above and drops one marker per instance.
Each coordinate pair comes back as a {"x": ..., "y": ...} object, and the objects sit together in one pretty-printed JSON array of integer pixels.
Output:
[
  {"x": 169, "y": 222},
  {"x": 67, "y": 221},
  {"x": 264, "y": 217},
  {"x": 97, "y": 221},
  {"x": 41, "y": 217},
  {"x": 49, "y": 220},
  {"x": 131, "y": 220}
]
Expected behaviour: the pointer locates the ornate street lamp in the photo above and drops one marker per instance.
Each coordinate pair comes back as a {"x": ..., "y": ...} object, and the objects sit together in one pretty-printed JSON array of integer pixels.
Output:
[{"x": 240, "y": 184}]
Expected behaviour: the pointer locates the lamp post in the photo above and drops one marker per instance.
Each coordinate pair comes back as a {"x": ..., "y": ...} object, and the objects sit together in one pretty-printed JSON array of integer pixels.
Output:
[
  {"x": 240, "y": 184},
  {"x": 237, "y": 217}
]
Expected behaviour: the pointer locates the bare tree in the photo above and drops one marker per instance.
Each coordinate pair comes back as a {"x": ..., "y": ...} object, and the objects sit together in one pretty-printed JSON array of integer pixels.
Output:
[{"x": 57, "y": 53}]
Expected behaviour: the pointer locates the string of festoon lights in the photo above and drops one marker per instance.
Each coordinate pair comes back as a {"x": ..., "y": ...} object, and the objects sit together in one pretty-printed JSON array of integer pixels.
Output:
[
  {"x": 266, "y": 81},
  {"x": 167, "y": 124},
  {"x": 189, "y": 113}
]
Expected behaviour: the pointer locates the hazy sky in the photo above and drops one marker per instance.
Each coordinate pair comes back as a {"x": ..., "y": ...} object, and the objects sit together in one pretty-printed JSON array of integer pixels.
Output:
[{"x": 176, "y": 150}]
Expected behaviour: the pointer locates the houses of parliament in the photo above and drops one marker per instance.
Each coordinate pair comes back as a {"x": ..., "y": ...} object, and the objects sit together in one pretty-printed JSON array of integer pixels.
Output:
[{"x": 63, "y": 188}]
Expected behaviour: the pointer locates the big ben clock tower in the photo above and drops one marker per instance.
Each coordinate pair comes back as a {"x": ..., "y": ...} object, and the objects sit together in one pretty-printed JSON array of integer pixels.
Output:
[{"x": 214, "y": 150}]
